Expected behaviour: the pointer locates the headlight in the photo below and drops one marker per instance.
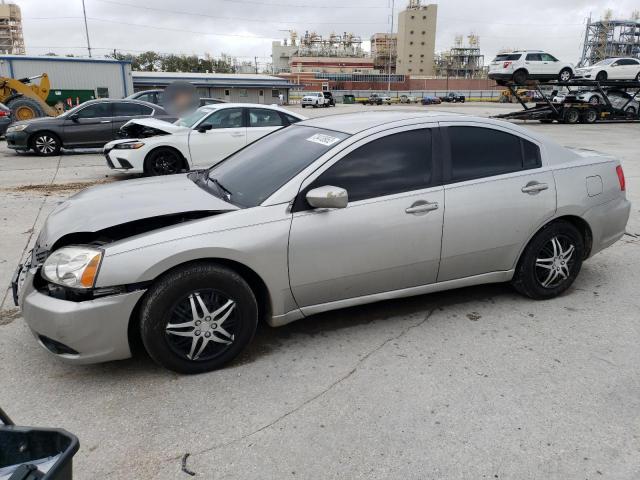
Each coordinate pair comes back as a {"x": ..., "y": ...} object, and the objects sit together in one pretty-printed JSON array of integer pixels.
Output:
[
  {"x": 128, "y": 146},
  {"x": 17, "y": 128},
  {"x": 75, "y": 267}
]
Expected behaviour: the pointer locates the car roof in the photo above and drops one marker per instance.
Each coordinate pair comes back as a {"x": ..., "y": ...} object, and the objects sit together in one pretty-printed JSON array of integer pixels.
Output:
[
  {"x": 354, "y": 123},
  {"x": 159, "y": 108},
  {"x": 216, "y": 106}
]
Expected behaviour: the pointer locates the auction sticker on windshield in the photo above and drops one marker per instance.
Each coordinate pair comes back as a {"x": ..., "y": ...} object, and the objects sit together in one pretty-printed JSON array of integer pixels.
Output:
[{"x": 323, "y": 139}]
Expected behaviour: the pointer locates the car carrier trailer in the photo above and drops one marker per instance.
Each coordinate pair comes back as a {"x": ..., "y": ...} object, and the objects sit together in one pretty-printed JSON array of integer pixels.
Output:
[{"x": 574, "y": 111}]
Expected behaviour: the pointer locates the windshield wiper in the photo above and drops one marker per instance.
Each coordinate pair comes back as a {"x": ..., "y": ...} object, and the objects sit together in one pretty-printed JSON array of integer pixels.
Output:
[{"x": 221, "y": 188}]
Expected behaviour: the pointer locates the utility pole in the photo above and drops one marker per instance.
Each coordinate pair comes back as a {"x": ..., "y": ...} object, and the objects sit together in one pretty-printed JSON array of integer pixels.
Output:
[
  {"x": 390, "y": 50},
  {"x": 86, "y": 28},
  {"x": 255, "y": 60}
]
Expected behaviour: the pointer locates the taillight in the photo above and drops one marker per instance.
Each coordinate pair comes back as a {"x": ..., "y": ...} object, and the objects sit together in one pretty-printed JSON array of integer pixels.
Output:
[
  {"x": 506, "y": 64},
  {"x": 4, "y": 113},
  {"x": 620, "y": 173}
]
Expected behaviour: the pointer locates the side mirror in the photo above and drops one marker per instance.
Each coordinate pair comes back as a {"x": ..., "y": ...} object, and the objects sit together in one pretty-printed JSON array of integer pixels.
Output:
[
  {"x": 205, "y": 128},
  {"x": 328, "y": 197},
  {"x": 74, "y": 117}
]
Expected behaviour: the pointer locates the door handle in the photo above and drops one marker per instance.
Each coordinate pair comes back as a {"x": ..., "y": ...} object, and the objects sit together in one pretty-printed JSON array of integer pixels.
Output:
[
  {"x": 421, "y": 207},
  {"x": 237, "y": 134},
  {"x": 534, "y": 187},
  {"x": 105, "y": 121}
]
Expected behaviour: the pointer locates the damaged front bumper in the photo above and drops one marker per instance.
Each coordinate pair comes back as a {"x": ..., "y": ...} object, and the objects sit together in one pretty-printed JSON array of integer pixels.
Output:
[
  {"x": 90, "y": 331},
  {"x": 120, "y": 160}
]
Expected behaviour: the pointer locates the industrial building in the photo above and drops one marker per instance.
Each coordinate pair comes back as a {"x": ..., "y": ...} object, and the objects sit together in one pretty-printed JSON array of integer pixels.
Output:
[
  {"x": 610, "y": 38},
  {"x": 461, "y": 61},
  {"x": 314, "y": 53},
  {"x": 384, "y": 48},
  {"x": 77, "y": 78},
  {"x": 11, "y": 39},
  {"x": 232, "y": 87},
  {"x": 416, "y": 39}
]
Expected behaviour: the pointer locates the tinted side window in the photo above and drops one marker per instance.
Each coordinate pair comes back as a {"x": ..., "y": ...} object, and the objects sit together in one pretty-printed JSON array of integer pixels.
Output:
[
  {"x": 147, "y": 97},
  {"x": 261, "y": 117},
  {"x": 290, "y": 118},
  {"x": 548, "y": 58},
  {"x": 96, "y": 110},
  {"x": 144, "y": 110},
  {"x": 224, "y": 118},
  {"x": 478, "y": 152},
  {"x": 126, "y": 109},
  {"x": 534, "y": 57},
  {"x": 531, "y": 155},
  {"x": 396, "y": 163}
]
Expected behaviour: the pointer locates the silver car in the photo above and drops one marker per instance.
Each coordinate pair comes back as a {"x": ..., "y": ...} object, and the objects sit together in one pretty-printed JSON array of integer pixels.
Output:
[{"x": 325, "y": 214}]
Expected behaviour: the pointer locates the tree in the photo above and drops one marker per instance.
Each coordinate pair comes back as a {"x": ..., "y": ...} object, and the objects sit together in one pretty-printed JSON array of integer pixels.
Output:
[{"x": 156, "y": 62}]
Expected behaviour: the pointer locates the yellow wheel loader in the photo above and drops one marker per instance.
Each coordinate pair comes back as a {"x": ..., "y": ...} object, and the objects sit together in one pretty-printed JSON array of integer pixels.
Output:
[{"x": 25, "y": 98}]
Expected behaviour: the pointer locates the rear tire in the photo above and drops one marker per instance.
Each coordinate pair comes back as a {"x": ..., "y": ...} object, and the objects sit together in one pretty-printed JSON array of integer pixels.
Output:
[
  {"x": 571, "y": 115},
  {"x": 181, "y": 335},
  {"x": 551, "y": 261},
  {"x": 630, "y": 112},
  {"x": 520, "y": 77},
  {"x": 45, "y": 144},
  {"x": 589, "y": 116},
  {"x": 594, "y": 100}
]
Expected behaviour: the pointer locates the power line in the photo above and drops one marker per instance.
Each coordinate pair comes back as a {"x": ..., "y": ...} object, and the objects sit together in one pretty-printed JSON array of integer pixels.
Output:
[
  {"x": 267, "y": 4},
  {"x": 244, "y": 19}
]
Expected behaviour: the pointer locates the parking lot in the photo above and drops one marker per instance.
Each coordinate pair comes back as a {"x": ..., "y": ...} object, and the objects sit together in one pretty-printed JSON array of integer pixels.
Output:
[{"x": 472, "y": 383}]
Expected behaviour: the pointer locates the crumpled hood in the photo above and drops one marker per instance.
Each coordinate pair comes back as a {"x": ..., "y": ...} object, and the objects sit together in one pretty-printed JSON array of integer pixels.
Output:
[
  {"x": 157, "y": 124},
  {"x": 117, "y": 203}
]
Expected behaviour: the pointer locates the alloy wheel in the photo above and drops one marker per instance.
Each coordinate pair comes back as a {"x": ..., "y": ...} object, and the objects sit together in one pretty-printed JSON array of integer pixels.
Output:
[
  {"x": 202, "y": 325},
  {"x": 45, "y": 144},
  {"x": 565, "y": 76},
  {"x": 555, "y": 261},
  {"x": 165, "y": 163}
]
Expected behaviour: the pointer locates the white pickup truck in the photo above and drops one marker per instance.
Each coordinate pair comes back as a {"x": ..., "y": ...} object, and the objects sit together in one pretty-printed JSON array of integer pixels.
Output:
[{"x": 314, "y": 100}]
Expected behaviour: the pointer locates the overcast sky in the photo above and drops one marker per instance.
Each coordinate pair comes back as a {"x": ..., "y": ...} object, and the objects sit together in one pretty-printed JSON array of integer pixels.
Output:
[{"x": 246, "y": 28}]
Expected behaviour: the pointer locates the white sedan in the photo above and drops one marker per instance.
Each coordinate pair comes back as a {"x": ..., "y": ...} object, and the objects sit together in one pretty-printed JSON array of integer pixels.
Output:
[
  {"x": 201, "y": 139},
  {"x": 611, "y": 69}
]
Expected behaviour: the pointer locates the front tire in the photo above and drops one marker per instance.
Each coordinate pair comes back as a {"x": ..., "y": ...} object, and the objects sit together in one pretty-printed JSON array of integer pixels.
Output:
[
  {"x": 163, "y": 161},
  {"x": 601, "y": 77},
  {"x": 45, "y": 144},
  {"x": 551, "y": 262},
  {"x": 198, "y": 318},
  {"x": 565, "y": 75}
]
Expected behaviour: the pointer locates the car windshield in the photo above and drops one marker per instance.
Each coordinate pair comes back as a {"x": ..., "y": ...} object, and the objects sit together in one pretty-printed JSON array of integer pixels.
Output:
[
  {"x": 191, "y": 119},
  {"x": 605, "y": 62},
  {"x": 248, "y": 177}
]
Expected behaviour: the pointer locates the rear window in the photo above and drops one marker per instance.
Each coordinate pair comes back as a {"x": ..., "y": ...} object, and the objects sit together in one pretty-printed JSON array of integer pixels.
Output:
[
  {"x": 478, "y": 152},
  {"x": 507, "y": 57}
]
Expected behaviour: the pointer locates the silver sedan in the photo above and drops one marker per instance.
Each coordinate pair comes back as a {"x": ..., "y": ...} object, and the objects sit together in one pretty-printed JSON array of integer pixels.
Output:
[{"x": 329, "y": 213}]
